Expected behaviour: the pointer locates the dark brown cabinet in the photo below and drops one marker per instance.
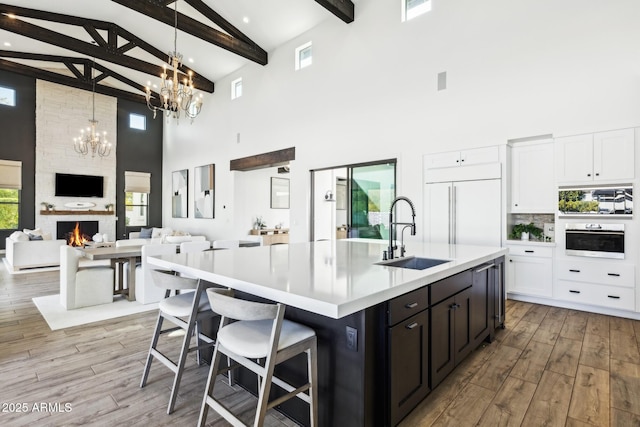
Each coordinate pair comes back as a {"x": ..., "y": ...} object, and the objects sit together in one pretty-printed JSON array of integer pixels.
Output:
[
  {"x": 408, "y": 364},
  {"x": 481, "y": 312},
  {"x": 450, "y": 334}
]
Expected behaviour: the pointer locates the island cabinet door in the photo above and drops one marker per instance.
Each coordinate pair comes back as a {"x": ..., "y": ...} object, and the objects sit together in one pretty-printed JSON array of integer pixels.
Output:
[
  {"x": 462, "y": 325},
  {"x": 481, "y": 303},
  {"x": 408, "y": 365},
  {"x": 451, "y": 338},
  {"x": 442, "y": 336}
]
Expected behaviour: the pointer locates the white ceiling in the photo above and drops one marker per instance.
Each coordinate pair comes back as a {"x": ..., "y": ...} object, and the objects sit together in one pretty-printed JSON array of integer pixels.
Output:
[{"x": 270, "y": 24}]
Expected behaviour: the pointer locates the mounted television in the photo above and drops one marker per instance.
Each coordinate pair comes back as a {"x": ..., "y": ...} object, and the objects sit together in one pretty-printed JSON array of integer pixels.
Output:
[{"x": 68, "y": 185}]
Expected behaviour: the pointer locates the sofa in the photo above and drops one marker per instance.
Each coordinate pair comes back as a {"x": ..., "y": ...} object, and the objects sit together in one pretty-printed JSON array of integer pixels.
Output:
[
  {"x": 164, "y": 235},
  {"x": 23, "y": 253}
]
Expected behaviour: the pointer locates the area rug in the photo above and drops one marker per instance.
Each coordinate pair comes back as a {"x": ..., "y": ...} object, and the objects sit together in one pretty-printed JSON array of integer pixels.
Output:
[{"x": 59, "y": 318}]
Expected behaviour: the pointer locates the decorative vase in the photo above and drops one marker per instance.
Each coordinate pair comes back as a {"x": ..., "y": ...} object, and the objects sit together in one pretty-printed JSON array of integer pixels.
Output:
[
  {"x": 524, "y": 236},
  {"x": 97, "y": 238}
]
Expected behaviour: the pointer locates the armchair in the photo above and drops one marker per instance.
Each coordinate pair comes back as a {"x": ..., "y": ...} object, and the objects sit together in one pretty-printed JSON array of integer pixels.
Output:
[{"x": 86, "y": 286}]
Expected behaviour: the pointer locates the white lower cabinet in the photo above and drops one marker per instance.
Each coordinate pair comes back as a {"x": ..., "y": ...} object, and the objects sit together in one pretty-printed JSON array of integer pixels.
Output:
[
  {"x": 530, "y": 270},
  {"x": 606, "y": 284}
]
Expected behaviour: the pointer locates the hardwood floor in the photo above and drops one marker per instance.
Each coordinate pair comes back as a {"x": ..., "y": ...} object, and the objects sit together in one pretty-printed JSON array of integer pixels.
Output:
[{"x": 550, "y": 366}]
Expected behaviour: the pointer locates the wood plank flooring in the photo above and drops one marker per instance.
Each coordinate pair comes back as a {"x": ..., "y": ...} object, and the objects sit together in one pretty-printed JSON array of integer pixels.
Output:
[{"x": 549, "y": 367}]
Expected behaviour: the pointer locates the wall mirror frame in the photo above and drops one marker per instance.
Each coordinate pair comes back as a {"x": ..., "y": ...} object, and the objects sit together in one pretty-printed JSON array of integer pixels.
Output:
[
  {"x": 180, "y": 193},
  {"x": 279, "y": 193},
  {"x": 204, "y": 194}
]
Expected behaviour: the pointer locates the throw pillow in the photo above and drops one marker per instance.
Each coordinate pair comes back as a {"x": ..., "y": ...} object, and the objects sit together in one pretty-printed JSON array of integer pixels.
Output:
[
  {"x": 35, "y": 237},
  {"x": 36, "y": 231},
  {"x": 145, "y": 233},
  {"x": 156, "y": 232},
  {"x": 19, "y": 236},
  {"x": 47, "y": 236}
]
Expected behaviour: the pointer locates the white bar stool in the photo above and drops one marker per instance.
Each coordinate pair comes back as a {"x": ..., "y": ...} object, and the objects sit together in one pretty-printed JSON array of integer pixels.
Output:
[
  {"x": 186, "y": 311},
  {"x": 261, "y": 332}
]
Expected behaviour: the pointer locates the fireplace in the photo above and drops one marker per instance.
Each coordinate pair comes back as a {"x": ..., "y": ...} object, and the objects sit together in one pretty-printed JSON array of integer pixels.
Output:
[{"x": 76, "y": 237}]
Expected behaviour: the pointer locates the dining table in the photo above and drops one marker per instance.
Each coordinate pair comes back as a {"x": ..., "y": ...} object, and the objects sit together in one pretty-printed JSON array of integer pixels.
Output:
[{"x": 119, "y": 256}]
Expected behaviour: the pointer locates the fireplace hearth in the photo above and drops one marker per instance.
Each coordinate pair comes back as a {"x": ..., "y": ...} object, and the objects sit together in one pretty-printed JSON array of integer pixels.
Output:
[{"x": 76, "y": 233}]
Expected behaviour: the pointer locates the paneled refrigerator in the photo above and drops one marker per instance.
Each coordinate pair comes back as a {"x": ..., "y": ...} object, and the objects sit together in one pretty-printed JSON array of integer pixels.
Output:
[{"x": 464, "y": 209}]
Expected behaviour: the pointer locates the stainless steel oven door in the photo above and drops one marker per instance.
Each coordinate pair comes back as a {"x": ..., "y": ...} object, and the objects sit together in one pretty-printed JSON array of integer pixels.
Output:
[{"x": 595, "y": 240}]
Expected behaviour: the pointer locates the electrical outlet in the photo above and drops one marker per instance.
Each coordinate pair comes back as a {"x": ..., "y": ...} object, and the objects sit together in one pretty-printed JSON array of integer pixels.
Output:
[{"x": 352, "y": 338}]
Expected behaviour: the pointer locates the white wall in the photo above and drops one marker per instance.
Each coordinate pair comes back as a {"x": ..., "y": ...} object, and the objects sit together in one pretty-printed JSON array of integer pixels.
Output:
[
  {"x": 515, "y": 69},
  {"x": 61, "y": 112}
]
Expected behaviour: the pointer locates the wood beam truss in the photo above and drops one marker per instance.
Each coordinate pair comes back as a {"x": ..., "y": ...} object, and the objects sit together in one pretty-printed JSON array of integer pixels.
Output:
[
  {"x": 235, "y": 41},
  {"x": 107, "y": 50},
  {"x": 343, "y": 9}
]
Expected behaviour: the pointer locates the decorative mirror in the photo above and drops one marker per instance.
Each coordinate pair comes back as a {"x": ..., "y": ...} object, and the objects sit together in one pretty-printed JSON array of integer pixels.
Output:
[
  {"x": 279, "y": 193},
  {"x": 204, "y": 202},
  {"x": 179, "y": 198}
]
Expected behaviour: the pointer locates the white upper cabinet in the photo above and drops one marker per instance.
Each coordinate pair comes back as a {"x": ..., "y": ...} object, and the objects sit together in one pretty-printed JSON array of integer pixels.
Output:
[
  {"x": 463, "y": 158},
  {"x": 599, "y": 157},
  {"x": 532, "y": 183}
]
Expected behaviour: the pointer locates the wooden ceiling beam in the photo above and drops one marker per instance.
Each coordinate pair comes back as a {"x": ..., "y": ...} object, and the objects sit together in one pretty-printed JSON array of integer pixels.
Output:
[
  {"x": 68, "y": 81},
  {"x": 236, "y": 45},
  {"x": 266, "y": 160},
  {"x": 83, "y": 77},
  {"x": 343, "y": 9},
  {"x": 106, "y": 50}
]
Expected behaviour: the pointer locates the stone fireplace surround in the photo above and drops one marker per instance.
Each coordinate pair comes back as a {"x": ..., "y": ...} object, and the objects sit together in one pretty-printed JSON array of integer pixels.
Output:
[{"x": 60, "y": 114}]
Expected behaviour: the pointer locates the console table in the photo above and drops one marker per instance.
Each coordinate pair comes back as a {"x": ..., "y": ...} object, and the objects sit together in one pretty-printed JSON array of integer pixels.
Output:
[{"x": 272, "y": 236}]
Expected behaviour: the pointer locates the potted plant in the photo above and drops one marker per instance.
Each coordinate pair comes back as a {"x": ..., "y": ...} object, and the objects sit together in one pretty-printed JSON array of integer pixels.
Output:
[
  {"x": 523, "y": 231},
  {"x": 109, "y": 207}
]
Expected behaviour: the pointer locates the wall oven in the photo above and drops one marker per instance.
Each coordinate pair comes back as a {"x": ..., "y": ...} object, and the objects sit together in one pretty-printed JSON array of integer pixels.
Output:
[{"x": 595, "y": 240}]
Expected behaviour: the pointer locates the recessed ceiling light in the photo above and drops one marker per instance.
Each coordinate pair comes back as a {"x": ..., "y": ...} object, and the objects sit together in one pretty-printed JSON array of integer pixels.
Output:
[
  {"x": 191, "y": 60},
  {"x": 245, "y": 19},
  {"x": 7, "y": 44},
  {"x": 11, "y": 15}
]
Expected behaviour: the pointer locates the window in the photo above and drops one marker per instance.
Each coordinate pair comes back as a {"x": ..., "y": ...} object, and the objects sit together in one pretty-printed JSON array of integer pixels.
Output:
[
  {"x": 136, "y": 209},
  {"x": 137, "y": 121},
  {"x": 304, "y": 56},
  {"x": 7, "y": 96},
  {"x": 9, "y": 209},
  {"x": 137, "y": 186},
  {"x": 413, "y": 8},
  {"x": 236, "y": 88},
  {"x": 10, "y": 186}
]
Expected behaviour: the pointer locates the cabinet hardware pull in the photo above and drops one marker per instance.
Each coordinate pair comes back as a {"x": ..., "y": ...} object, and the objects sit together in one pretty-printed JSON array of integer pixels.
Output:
[
  {"x": 613, "y": 274},
  {"x": 411, "y": 305},
  {"x": 574, "y": 292},
  {"x": 411, "y": 326},
  {"x": 528, "y": 251},
  {"x": 574, "y": 271},
  {"x": 613, "y": 296},
  {"x": 510, "y": 260},
  {"x": 485, "y": 268},
  {"x": 597, "y": 174},
  {"x": 588, "y": 174}
]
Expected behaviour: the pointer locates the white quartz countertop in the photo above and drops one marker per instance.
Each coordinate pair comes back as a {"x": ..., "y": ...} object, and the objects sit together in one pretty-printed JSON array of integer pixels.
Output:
[{"x": 330, "y": 278}]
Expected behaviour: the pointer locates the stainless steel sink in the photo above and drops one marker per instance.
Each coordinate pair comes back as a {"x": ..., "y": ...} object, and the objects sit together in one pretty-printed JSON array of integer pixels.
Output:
[{"x": 413, "y": 263}]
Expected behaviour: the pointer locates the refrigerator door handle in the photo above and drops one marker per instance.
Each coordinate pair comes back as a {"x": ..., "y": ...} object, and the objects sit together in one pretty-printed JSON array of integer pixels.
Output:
[
  {"x": 449, "y": 213},
  {"x": 454, "y": 215}
]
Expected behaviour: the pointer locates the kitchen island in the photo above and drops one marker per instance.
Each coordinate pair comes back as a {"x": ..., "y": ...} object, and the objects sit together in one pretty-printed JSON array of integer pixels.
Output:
[{"x": 359, "y": 308}]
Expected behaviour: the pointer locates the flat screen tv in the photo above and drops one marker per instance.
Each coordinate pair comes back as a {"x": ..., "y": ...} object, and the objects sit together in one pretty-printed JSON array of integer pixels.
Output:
[{"x": 68, "y": 185}]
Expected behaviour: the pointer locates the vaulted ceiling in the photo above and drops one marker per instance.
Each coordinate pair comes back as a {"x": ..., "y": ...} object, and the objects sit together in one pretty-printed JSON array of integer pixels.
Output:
[{"x": 124, "y": 43}]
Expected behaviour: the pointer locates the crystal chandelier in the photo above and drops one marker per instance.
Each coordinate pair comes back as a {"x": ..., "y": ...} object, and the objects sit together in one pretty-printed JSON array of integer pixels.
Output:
[
  {"x": 177, "y": 97},
  {"x": 92, "y": 140}
]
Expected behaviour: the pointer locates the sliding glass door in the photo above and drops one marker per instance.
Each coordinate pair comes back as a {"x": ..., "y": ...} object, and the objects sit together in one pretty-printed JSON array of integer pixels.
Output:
[
  {"x": 372, "y": 189},
  {"x": 352, "y": 200}
]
